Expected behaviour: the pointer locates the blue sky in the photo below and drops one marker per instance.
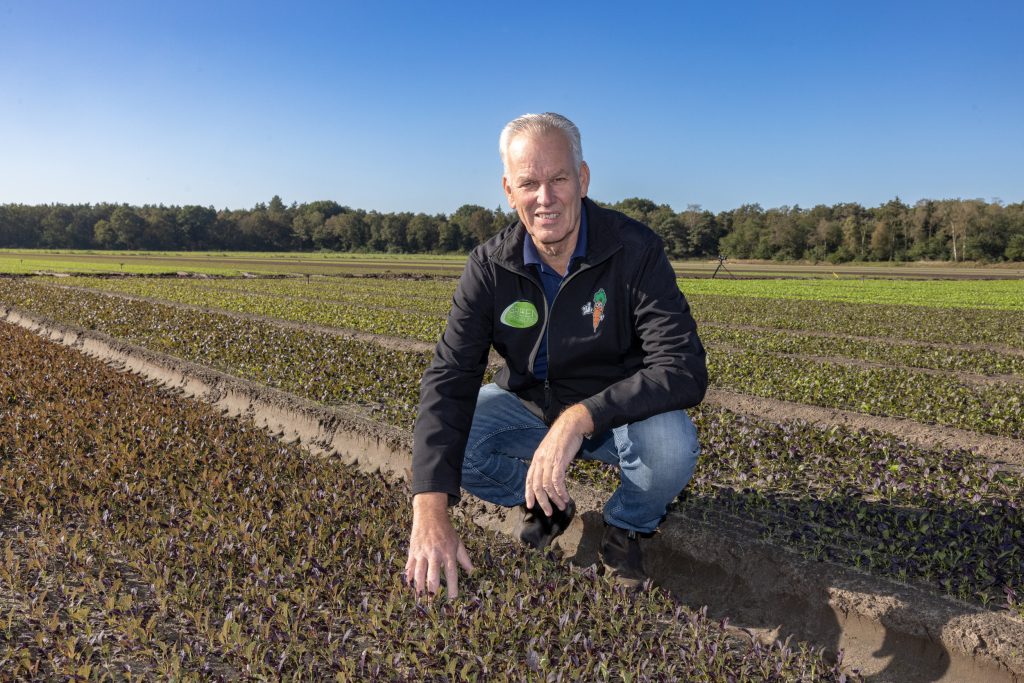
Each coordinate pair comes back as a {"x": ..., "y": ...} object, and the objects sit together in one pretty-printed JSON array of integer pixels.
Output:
[{"x": 397, "y": 106}]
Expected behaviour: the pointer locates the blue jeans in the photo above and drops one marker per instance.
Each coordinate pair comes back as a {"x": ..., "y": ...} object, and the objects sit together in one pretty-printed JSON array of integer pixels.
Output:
[{"x": 655, "y": 457}]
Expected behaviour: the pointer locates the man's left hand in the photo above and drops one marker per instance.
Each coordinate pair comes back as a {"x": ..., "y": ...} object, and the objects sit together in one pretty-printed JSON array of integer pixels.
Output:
[{"x": 545, "y": 480}]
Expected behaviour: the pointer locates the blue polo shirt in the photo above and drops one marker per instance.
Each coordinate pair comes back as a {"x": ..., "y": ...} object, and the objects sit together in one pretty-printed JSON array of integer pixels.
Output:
[{"x": 551, "y": 279}]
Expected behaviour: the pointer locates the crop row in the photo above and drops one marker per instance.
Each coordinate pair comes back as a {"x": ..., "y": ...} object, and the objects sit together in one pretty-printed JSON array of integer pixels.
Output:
[
  {"x": 428, "y": 296},
  {"x": 220, "y": 264},
  {"x": 995, "y": 409},
  {"x": 350, "y": 312},
  {"x": 1005, "y": 295},
  {"x": 909, "y": 355},
  {"x": 322, "y": 367},
  {"x": 144, "y": 536},
  {"x": 417, "y": 309},
  {"x": 898, "y": 322},
  {"x": 756, "y": 470}
]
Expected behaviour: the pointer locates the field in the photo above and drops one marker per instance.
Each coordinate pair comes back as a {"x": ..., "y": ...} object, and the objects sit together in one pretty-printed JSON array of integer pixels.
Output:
[
  {"x": 34, "y": 261},
  {"x": 870, "y": 424},
  {"x": 30, "y": 261}
]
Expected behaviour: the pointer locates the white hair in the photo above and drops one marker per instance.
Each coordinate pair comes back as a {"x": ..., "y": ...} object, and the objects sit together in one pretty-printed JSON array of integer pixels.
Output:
[{"x": 538, "y": 124}]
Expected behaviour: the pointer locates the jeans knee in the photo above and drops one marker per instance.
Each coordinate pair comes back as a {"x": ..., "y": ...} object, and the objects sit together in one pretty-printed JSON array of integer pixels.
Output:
[
  {"x": 493, "y": 476},
  {"x": 669, "y": 449}
]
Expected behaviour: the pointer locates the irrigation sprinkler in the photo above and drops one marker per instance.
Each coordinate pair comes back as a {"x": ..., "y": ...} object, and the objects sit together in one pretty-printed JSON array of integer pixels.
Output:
[{"x": 721, "y": 266}]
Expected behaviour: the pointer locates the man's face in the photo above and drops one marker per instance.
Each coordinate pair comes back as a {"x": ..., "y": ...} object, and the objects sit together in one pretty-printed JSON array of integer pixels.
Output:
[{"x": 542, "y": 185}]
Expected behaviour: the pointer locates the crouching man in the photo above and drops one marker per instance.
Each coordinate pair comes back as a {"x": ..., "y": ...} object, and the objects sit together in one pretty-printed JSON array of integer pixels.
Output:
[{"x": 601, "y": 359}]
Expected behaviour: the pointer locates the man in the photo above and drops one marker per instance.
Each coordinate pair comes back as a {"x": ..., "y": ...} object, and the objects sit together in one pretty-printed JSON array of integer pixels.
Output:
[{"x": 601, "y": 357}]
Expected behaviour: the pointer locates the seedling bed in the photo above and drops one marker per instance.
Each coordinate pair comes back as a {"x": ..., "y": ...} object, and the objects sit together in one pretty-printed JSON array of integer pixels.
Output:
[{"x": 703, "y": 555}]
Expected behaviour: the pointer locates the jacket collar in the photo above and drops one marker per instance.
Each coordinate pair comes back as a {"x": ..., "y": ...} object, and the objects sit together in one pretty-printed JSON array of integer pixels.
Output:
[
  {"x": 531, "y": 257},
  {"x": 602, "y": 238}
]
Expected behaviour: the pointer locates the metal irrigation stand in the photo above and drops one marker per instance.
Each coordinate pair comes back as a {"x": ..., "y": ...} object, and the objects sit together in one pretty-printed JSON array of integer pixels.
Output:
[{"x": 721, "y": 266}]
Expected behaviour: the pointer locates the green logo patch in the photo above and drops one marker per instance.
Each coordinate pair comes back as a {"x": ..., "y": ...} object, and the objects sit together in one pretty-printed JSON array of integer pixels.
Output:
[{"x": 520, "y": 314}]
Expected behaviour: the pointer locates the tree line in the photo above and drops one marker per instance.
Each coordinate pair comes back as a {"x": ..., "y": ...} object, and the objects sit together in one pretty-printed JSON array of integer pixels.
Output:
[{"x": 948, "y": 230}]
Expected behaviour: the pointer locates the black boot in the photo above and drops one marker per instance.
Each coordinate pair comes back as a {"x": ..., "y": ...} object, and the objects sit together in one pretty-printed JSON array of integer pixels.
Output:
[
  {"x": 537, "y": 530},
  {"x": 622, "y": 557}
]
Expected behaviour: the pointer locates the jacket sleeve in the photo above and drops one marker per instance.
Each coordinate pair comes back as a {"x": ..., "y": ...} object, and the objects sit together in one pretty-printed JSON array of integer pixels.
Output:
[
  {"x": 450, "y": 385},
  {"x": 675, "y": 374}
]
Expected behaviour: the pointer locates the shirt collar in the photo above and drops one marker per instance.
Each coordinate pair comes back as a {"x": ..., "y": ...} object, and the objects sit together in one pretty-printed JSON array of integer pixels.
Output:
[{"x": 532, "y": 257}]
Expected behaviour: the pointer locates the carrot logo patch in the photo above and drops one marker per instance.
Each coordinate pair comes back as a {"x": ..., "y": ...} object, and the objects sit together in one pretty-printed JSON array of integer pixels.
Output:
[{"x": 595, "y": 308}]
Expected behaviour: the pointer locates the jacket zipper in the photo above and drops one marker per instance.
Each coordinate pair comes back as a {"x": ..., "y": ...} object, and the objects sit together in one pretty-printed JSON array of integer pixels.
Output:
[
  {"x": 547, "y": 330},
  {"x": 547, "y": 312}
]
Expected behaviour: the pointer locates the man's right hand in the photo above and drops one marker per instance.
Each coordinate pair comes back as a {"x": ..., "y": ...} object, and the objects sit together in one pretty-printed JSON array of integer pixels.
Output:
[{"x": 434, "y": 547}]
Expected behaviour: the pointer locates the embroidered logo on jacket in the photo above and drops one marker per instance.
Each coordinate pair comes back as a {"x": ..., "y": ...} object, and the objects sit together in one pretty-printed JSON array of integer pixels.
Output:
[
  {"x": 595, "y": 308},
  {"x": 520, "y": 314}
]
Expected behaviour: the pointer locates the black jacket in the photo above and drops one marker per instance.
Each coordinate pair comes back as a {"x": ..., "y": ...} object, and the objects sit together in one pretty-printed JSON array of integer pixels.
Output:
[{"x": 644, "y": 357}]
